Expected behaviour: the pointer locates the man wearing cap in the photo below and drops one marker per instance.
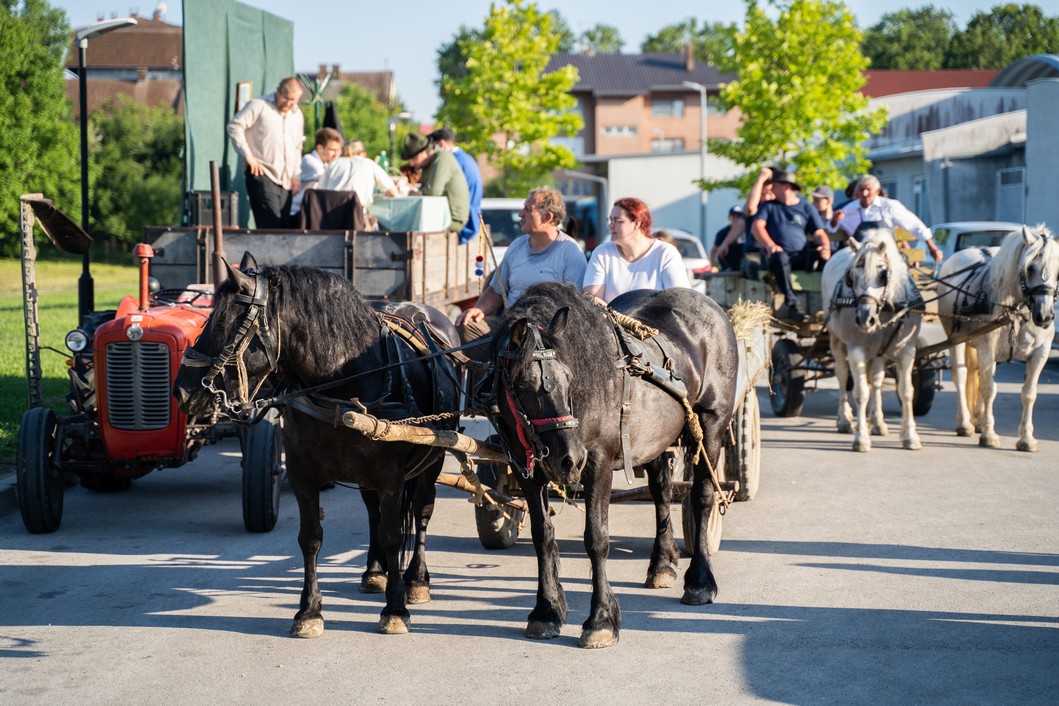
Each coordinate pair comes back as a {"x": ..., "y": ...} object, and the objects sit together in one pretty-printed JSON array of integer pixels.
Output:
[
  {"x": 824, "y": 201},
  {"x": 871, "y": 207},
  {"x": 733, "y": 256},
  {"x": 442, "y": 176},
  {"x": 445, "y": 139},
  {"x": 781, "y": 227}
]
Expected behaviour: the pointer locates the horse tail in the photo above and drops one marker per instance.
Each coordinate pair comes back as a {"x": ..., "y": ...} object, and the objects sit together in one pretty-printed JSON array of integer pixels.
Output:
[
  {"x": 408, "y": 519},
  {"x": 972, "y": 391}
]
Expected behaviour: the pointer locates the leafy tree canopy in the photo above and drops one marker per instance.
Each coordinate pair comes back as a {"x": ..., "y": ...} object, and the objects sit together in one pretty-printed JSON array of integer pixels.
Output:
[
  {"x": 910, "y": 39},
  {"x": 712, "y": 41},
  {"x": 994, "y": 39},
  {"x": 601, "y": 39},
  {"x": 363, "y": 117}
]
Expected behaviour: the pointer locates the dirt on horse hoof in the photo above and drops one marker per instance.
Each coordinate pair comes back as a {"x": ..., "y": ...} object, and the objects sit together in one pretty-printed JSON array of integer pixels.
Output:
[
  {"x": 536, "y": 630},
  {"x": 596, "y": 639},
  {"x": 392, "y": 625},
  {"x": 661, "y": 579},
  {"x": 417, "y": 593},
  {"x": 701, "y": 596},
  {"x": 307, "y": 628},
  {"x": 862, "y": 446},
  {"x": 964, "y": 431},
  {"x": 992, "y": 442},
  {"x": 1026, "y": 445},
  {"x": 373, "y": 583},
  {"x": 912, "y": 444}
]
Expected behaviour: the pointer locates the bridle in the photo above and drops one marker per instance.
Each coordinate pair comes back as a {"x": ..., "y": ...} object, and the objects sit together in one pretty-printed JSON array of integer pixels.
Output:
[
  {"x": 865, "y": 297},
  {"x": 529, "y": 428},
  {"x": 254, "y": 323}
]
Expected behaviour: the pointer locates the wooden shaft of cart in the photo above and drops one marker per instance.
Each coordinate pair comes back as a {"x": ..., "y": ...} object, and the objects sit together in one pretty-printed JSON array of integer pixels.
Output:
[{"x": 381, "y": 430}]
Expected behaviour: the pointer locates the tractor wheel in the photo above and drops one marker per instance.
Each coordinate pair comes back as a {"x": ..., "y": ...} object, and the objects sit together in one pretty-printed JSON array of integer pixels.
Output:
[
  {"x": 262, "y": 473},
  {"x": 923, "y": 389},
  {"x": 495, "y": 531},
  {"x": 39, "y": 481},
  {"x": 744, "y": 460},
  {"x": 788, "y": 380}
]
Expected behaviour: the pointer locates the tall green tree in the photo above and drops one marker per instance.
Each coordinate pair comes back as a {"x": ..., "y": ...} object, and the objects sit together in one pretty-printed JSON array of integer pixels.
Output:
[
  {"x": 798, "y": 90},
  {"x": 138, "y": 151},
  {"x": 601, "y": 39},
  {"x": 712, "y": 41},
  {"x": 910, "y": 39},
  {"x": 994, "y": 39},
  {"x": 38, "y": 141},
  {"x": 506, "y": 107}
]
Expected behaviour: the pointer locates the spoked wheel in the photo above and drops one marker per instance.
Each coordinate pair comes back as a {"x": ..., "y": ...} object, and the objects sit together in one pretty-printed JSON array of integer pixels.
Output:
[
  {"x": 495, "y": 530},
  {"x": 715, "y": 527},
  {"x": 924, "y": 381},
  {"x": 39, "y": 481},
  {"x": 788, "y": 379},
  {"x": 262, "y": 473},
  {"x": 744, "y": 460}
]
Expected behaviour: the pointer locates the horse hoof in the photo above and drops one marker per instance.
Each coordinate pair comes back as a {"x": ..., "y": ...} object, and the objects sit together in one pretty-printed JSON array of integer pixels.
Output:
[
  {"x": 701, "y": 596},
  {"x": 964, "y": 431},
  {"x": 1026, "y": 445},
  {"x": 307, "y": 628},
  {"x": 880, "y": 430},
  {"x": 912, "y": 444},
  {"x": 990, "y": 441},
  {"x": 661, "y": 579},
  {"x": 596, "y": 639},
  {"x": 418, "y": 593},
  {"x": 845, "y": 426},
  {"x": 392, "y": 625},
  {"x": 373, "y": 583},
  {"x": 536, "y": 630},
  {"x": 862, "y": 446}
]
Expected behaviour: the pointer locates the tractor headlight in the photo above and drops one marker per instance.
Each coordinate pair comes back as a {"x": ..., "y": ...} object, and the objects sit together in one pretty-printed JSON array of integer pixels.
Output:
[
  {"x": 134, "y": 332},
  {"x": 77, "y": 340}
]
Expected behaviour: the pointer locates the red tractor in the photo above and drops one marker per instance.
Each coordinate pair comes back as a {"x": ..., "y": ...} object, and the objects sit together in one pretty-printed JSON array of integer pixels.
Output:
[{"x": 123, "y": 421}]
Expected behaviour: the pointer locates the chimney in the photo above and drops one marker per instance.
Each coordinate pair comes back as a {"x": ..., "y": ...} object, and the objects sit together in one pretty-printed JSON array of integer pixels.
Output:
[
  {"x": 334, "y": 70},
  {"x": 134, "y": 11},
  {"x": 141, "y": 73},
  {"x": 159, "y": 12},
  {"x": 322, "y": 72},
  {"x": 689, "y": 58}
]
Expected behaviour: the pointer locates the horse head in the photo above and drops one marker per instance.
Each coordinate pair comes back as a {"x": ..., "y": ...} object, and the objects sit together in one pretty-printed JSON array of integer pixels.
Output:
[
  {"x": 1038, "y": 272},
  {"x": 536, "y": 397},
  {"x": 236, "y": 351},
  {"x": 869, "y": 278}
]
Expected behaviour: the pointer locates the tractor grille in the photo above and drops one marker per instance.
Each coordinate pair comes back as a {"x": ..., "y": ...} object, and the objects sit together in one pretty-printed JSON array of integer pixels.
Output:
[{"x": 138, "y": 385}]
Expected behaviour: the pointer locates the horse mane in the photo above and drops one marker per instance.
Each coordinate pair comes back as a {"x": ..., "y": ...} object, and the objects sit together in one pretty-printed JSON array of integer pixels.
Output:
[
  {"x": 1010, "y": 261},
  {"x": 585, "y": 341},
  {"x": 897, "y": 281}
]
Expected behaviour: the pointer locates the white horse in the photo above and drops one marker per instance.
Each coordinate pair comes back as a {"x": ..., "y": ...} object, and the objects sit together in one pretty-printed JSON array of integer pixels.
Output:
[
  {"x": 1012, "y": 285},
  {"x": 872, "y": 316}
]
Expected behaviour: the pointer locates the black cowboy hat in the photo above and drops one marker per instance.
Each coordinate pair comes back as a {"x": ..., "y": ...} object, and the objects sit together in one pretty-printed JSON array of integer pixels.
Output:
[
  {"x": 414, "y": 143},
  {"x": 786, "y": 178}
]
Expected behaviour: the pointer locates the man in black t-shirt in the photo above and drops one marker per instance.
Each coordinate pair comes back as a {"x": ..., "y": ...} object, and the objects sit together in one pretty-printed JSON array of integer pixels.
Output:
[{"x": 782, "y": 227}]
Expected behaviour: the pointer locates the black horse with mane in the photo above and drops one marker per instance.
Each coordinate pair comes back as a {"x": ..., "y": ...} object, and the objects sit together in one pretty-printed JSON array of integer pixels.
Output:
[
  {"x": 297, "y": 328},
  {"x": 567, "y": 376}
]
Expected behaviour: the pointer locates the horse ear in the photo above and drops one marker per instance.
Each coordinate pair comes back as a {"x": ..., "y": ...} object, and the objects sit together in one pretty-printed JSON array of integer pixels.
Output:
[
  {"x": 518, "y": 331},
  {"x": 241, "y": 281},
  {"x": 248, "y": 262},
  {"x": 880, "y": 247},
  {"x": 558, "y": 323},
  {"x": 854, "y": 244}
]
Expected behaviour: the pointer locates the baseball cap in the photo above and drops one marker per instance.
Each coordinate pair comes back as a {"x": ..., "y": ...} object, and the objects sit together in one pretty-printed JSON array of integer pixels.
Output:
[
  {"x": 824, "y": 192},
  {"x": 735, "y": 211}
]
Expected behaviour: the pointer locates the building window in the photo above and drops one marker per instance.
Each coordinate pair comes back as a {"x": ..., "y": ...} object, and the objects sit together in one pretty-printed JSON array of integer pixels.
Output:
[
  {"x": 889, "y": 186},
  {"x": 670, "y": 145},
  {"x": 619, "y": 131},
  {"x": 668, "y": 107},
  {"x": 921, "y": 199},
  {"x": 1011, "y": 195},
  {"x": 576, "y": 145}
]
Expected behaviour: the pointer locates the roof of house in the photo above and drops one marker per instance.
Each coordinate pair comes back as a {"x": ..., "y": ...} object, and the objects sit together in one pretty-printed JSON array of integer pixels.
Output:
[
  {"x": 636, "y": 74},
  {"x": 150, "y": 43},
  {"x": 167, "y": 92},
  {"x": 888, "y": 82}
]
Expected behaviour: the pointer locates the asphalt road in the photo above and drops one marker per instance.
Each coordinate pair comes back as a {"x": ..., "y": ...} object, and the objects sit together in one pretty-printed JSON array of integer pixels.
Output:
[{"x": 888, "y": 577}]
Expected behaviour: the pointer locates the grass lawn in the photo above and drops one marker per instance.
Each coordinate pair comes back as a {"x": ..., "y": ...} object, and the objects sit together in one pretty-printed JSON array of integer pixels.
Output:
[{"x": 57, "y": 313}]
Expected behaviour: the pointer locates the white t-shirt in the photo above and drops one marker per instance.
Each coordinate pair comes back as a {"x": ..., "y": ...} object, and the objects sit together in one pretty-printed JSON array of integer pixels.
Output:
[
  {"x": 521, "y": 268},
  {"x": 661, "y": 267},
  {"x": 889, "y": 211},
  {"x": 312, "y": 169},
  {"x": 358, "y": 174}
]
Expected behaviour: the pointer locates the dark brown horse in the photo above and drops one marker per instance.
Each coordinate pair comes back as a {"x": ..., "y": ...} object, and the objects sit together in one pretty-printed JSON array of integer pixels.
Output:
[
  {"x": 311, "y": 327},
  {"x": 563, "y": 381}
]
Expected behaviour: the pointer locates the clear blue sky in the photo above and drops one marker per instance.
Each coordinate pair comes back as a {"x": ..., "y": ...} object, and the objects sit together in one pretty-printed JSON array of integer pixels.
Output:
[{"x": 404, "y": 35}]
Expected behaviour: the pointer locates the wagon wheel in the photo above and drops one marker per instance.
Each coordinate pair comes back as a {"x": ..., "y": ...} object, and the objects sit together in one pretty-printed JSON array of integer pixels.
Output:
[
  {"x": 788, "y": 379},
  {"x": 262, "y": 473},
  {"x": 923, "y": 388},
  {"x": 495, "y": 531},
  {"x": 39, "y": 481},
  {"x": 744, "y": 459},
  {"x": 715, "y": 526}
]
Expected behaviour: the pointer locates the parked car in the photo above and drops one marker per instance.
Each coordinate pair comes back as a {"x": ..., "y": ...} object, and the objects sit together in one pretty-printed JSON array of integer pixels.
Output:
[
  {"x": 501, "y": 215},
  {"x": 693, "y": 252}
]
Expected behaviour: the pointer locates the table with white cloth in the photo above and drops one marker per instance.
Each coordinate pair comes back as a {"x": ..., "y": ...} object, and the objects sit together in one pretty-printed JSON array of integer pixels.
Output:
[{"x": 428, "y": 214}]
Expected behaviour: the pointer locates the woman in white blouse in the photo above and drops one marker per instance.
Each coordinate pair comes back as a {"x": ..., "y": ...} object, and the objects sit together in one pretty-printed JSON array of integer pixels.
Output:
[{"x": 632, "y": 259}]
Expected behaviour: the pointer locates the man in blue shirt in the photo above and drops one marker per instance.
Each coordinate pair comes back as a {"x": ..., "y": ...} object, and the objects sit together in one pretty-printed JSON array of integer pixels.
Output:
[
  {"x": 781, "y": 227},
  {"x": 445, "y": 139}
]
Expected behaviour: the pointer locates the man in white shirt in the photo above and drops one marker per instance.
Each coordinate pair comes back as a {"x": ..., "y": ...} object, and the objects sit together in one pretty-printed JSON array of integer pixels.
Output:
[
  {"x": 359, "y": 174},
  {"x": 328, "y": 147},
  {"x": 269, "y": 132},
  {"x": 871, "y": 207}
]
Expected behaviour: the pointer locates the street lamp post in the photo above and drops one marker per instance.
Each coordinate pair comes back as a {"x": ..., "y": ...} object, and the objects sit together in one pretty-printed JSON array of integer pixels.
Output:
[
  {"x": 392, "y": 124},
  {"x": 85, "y": 293},
  {"x": 702, "y": 150}
]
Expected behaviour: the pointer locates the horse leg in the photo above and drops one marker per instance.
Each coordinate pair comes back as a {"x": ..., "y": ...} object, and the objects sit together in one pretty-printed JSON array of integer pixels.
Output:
[
  {"x": 395, "y": 618},
  {"x": 958, "y": 353},
  {"x": 548, "y": 615},
  {"x": 373, "y": 580},
  {"x": 417, "y": 576},
  {"x": 700, "y": 585},
  {"x": 861, "y": 393},
  {"x": 878, "y": 419},
  {"x": 987, "y": 386},
  {"x": 845, "y": 412},
  {"x": 905, "y": 362},
  {"x": 308, "y": 621},
  {"x": 604, "y": 618},
  {"x": 665, "y": 557},
  {"x": 1034, "y": 365}
]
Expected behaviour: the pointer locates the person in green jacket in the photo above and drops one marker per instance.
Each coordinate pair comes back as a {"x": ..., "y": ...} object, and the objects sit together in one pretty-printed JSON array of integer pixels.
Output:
[{"x": 442, "y": 176}]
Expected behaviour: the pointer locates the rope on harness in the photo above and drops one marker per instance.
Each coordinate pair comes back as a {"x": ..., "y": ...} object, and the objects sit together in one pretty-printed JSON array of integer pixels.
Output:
[{"x": 695, "y": 429}]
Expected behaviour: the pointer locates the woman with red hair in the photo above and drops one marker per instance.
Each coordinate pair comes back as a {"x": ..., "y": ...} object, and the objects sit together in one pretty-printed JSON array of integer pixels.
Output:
[{"x": 632, "y": 259}]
